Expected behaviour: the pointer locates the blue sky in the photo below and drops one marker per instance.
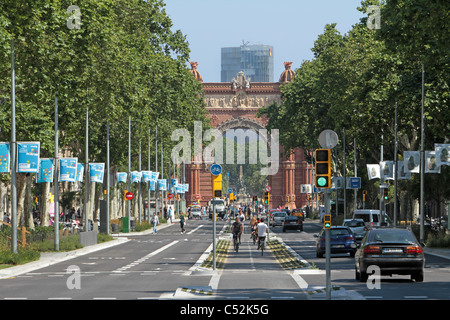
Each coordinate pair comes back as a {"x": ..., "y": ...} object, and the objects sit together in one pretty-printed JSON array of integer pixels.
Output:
[{"x": 290, "y": 26}]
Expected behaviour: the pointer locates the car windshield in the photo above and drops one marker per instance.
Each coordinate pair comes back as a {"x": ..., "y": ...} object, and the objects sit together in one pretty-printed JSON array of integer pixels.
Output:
[
  {"x": 354, "y": 223},
  {"x": 392, "y": 236},
  {"x": 217, "y": 202},
  {"x": 339, "y": 232},
  {"x": 279, "y": 214}
]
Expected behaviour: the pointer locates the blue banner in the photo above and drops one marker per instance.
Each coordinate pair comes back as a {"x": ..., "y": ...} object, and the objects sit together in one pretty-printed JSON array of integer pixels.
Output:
[
  {"x": 45, "y": 170},
  {"x": 136, "y": 177},
  {"x": 67, "y": 169},
  {"x": 80, "y": 172},
  {"x": 155, "y": 176},
  {"x": 146, "y": 176},
  {"x": 28, "y": 156},
  {"x": 152, "y": 185},
  {"x": 162, "y": 185},
  {"x": 96, "y": 171},
  {"x": 122, "y": 177},
  {"x": 4, "y": 157}
]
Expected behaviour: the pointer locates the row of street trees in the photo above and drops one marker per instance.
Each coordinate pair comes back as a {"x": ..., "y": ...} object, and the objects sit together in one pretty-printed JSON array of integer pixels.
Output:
[
  {"x": 354, "y": 81},
  {"x": 115, "y": 58}
]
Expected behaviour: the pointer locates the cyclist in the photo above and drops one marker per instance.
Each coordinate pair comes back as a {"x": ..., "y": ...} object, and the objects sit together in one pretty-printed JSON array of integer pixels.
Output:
[
  {"x": 237, "y": 228},
  {"x": 253, "y": 229},
  {"x": 262, "y": 232}
]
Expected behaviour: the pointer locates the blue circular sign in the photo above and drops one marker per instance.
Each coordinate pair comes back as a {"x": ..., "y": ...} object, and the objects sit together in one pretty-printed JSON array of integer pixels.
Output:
[
  {"x": 230, "y": 190},
  {"x": 216, "y": 169}
]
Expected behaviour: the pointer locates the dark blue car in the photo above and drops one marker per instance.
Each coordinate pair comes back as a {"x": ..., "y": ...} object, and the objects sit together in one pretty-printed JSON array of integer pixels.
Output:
[{"x": 342, "y": 240}]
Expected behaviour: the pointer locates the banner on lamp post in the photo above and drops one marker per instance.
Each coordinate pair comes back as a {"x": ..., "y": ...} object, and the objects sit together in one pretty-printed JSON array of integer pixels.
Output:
[
  {"x": 4, "y": 157},
  {"x": 45, "y": 170},
  {"x": 28, "y": 156},
  {"x": 68, "y": 169},
  {"x": 96, "y": 172}
]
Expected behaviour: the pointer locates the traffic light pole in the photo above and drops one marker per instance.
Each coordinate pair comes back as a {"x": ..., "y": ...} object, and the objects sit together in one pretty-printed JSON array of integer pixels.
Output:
[{"x": 327, "y": 248}]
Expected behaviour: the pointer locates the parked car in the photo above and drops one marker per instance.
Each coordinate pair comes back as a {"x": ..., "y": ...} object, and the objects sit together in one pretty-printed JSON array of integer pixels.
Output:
[
  {"x": 278, "y": 218},
  {"x": 393, "y": 250},
  {"x": 357, "y": 226},
  {"x": 342, "y": 240},
  {"x": 293, "y": 223},
  {"x": 372, "y": 217}
]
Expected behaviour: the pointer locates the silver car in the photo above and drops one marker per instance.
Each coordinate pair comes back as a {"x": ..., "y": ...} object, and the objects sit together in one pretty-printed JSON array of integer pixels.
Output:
[
  {"x": 357, "y": 226},
  {"x": 278, "y": 218}
]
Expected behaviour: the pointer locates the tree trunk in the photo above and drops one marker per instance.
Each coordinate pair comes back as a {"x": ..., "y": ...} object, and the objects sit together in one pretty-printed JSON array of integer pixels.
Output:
[
  {"x": 21, "y": 187},
  {"x": 45, "y": 204},
  {"x": 28, "y": 204}
]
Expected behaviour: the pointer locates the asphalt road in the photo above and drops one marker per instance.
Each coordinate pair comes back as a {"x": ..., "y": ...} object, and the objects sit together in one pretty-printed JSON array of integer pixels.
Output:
[{"x": 164, "y": 266}]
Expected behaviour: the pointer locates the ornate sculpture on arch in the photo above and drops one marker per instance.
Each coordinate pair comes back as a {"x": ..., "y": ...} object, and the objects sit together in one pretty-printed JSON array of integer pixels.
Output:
[
  {"x": 195, "y": 72},
  {"x": 241, "y": 82}
]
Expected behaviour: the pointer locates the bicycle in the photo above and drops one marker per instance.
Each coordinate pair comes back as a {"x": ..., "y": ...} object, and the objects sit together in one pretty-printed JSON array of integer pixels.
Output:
[
  {"x": 254, "y": 236},
  {"x": 261, "y": 244}
]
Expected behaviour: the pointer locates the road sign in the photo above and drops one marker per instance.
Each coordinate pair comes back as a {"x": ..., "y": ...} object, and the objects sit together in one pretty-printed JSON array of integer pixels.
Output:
[
  {"x": 170, "y": 195},
  {"x": 129, "y": 195},
  {"x": 328, "y": 139},
  {"x": 197, "y": 196},
  {"x": 355, "y": 183},
  {"x": 268, "y": 188},
  {"x": 216, "y": 169},
  {"x": 230, "y": 190}
]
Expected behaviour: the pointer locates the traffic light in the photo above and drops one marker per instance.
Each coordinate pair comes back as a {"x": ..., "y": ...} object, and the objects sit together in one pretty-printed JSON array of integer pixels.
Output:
[
  {"x": 385, "y": 194},
  {"x": 266, "y": 197},
  {"x": 323, "y": 168},
  {"x": 255, "y": 199},
  {"x": 327, "y": 221},
  {"x": 217, "y": 186}
]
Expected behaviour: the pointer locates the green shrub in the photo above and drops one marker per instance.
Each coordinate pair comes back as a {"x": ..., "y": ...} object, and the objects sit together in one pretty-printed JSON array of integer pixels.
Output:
[
  {"x": 438, "y": 241},
  {"x": 23, "y": 255}
]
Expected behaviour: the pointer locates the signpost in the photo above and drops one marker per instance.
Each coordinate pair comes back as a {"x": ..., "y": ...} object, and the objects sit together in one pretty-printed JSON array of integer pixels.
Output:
[
  {"x": 328, "y": 139},
  {"x": 216, "y": 171}
]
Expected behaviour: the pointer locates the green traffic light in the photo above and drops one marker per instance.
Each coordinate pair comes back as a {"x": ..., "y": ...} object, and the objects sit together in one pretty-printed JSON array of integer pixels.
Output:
[{"x": 321, "y": 181}]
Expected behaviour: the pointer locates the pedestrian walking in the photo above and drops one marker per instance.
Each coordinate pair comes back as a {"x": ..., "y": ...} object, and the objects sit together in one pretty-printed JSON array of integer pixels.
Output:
[
  {"x": 155, "y": 221},
  {"x": 182, "y": 221}
]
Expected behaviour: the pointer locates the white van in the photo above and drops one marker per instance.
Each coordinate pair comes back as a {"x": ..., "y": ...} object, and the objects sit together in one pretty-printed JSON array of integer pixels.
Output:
[{"x": 371, "y": 217}]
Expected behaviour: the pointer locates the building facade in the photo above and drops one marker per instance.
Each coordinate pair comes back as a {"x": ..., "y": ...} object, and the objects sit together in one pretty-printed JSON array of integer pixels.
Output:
[
  {"x": 256, "y": 61},
  {"x": 233, "y": 105}
]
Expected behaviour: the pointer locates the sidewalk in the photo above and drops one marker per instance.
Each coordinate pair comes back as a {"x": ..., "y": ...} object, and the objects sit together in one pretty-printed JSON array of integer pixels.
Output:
[
  {"x": 440, "y": 252},
  {"x": 50, "y": 258}
]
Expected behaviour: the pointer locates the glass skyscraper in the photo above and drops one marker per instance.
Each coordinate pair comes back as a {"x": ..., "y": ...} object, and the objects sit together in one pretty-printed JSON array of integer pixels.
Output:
[{"x": 256, "y": 61}]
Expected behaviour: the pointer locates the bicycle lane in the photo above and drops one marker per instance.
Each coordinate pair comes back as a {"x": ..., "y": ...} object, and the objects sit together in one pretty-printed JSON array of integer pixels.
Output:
[{"x": 247, "y": 275}]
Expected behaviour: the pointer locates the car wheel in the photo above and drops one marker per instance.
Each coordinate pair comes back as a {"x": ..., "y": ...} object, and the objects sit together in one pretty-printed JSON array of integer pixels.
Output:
[
  {"x": 319, "y": 254},
  {"x": 417, "y": 276},
  {"x": 284, "y": 230},
  {"x": 363, "y": 276}
]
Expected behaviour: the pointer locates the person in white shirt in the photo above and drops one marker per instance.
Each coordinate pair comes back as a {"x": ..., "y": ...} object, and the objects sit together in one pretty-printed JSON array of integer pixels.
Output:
[{"x": 262, "y": 232}]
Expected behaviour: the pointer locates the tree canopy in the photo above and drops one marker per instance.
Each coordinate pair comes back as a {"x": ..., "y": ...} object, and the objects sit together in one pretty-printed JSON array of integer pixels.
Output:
[{"x": 354, "y": 81}]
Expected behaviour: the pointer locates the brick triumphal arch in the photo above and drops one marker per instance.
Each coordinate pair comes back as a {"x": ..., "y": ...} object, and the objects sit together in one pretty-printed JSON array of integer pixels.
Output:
[{"x": 234, "y": 105}]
